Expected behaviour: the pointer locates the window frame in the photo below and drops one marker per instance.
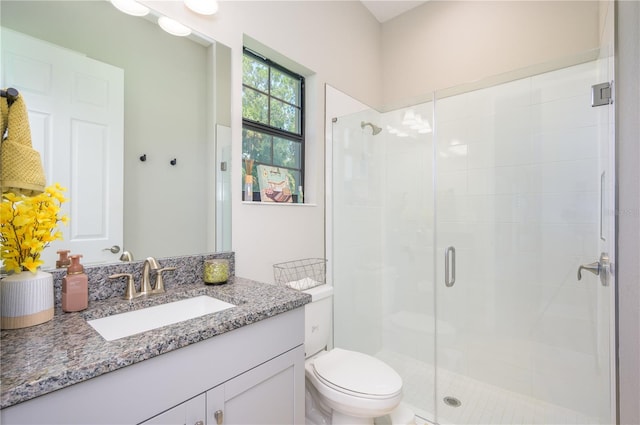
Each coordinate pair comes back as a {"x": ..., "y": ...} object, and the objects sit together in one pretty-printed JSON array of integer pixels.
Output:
[{"x": 248, "y": 124}]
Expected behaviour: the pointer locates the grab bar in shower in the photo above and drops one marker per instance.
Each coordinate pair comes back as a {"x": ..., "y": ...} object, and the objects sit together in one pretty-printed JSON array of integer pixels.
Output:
[{"x": 449, "y": 266}]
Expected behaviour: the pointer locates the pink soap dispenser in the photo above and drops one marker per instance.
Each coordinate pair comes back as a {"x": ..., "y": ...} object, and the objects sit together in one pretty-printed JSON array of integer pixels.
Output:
[{"x": 75, "y": 287}]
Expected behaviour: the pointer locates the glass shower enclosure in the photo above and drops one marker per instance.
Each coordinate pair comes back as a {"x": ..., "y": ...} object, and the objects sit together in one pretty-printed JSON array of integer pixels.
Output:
[{"x": 467, "y": 233}]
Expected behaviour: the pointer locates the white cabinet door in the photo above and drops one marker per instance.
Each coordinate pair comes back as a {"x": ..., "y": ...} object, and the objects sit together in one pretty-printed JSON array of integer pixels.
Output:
[
  {"x": 191, "y": 412},
  {"x": 272, "y": 393},
  {"x": 76, "y": 116}
]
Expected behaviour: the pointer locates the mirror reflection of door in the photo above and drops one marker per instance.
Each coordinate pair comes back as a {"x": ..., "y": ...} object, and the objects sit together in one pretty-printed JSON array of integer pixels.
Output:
[
  {"x": 177, "y": 90},
  {"x": 76, "y": 117}
]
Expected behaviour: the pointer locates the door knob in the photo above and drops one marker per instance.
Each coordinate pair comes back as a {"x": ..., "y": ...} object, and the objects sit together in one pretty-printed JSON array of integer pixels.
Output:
[
  {"x": 114, "y": 249},
  {"x": 600, "y": 268}
]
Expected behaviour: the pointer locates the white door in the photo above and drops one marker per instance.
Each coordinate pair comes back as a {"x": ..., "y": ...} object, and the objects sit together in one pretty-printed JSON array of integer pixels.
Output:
[
  {"x": 525, "y": 233},
  {"x": 76, "y": 114}
]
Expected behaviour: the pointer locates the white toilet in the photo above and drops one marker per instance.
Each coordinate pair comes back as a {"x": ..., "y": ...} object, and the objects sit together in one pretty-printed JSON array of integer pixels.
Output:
[{"x": 342, "y": 386}]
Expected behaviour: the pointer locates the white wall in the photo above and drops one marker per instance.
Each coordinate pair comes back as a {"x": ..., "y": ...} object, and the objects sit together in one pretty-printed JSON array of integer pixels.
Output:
[
  {"x": 330, "y": 42},
  {"x": 628, "y": 128},
  {"x": 445, "y": 43}
]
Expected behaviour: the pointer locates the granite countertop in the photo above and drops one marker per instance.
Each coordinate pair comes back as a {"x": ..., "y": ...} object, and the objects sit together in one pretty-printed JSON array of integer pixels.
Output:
[{"x": 66, "y": 350}]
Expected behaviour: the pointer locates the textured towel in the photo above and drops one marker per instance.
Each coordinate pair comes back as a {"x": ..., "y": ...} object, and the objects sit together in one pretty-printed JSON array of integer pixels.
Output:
[
  {"x": 4, "y": 114},
  {"x": 21, "y": 170}
]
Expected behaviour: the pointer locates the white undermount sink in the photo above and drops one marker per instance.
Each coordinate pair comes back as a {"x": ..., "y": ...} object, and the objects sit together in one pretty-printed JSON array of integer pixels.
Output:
[{"x": 146, "y": 319}]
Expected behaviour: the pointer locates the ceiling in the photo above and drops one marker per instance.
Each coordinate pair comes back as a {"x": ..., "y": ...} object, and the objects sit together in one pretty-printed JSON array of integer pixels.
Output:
[{"x": 385, "y": 10}]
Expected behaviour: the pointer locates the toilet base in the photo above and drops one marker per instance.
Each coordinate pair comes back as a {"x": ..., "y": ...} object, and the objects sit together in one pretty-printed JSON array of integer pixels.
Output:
[
  {"x": 338, "y": 418},
  {"x": 317, "y": 413}
]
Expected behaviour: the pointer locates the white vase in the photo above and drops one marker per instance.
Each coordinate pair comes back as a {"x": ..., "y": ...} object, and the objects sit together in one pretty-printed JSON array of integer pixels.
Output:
[{"x": 26, "y": 299}]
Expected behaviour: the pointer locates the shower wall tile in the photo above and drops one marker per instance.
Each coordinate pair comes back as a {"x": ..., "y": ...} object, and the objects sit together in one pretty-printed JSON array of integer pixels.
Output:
[
  {"x": 453, "y": 132},
  {"x": 454, "y": 207},
  {"x": 453, "y": 182},
  {"x": 576, "y": 238},
  {"x": 564, "y": 83},
  {"x": 488, "y": 101},
  {"x": 455, "y": 157},
  {"x": 569, "y": 207},
  {"x": 499, "y": 180},
  {"x": 573, "y": 112},
  {"x": 556, "y": 366},
  {"x": 566, "y": 176},
  {"x": 510, "y": 123},
  {"x": 486, "y": 367},
  {"x": 566, "y": 144},
  {"x": 573, "y": 302}
]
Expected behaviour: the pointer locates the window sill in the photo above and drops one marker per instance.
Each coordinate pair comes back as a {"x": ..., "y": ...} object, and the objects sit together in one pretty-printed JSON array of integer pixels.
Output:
[{"x": 283, "y": 204}]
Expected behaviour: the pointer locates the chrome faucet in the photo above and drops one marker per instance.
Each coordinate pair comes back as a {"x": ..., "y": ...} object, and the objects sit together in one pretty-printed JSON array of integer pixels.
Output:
[{"x": 150, "y": 263}]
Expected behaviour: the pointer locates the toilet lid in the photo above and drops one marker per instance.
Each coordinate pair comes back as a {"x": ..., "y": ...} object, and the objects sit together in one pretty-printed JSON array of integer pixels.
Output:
[{"x": 357, "y": 372}]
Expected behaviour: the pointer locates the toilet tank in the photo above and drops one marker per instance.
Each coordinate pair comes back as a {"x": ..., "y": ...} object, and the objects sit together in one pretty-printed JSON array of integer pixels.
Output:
[{"x": 317, "y": 319}]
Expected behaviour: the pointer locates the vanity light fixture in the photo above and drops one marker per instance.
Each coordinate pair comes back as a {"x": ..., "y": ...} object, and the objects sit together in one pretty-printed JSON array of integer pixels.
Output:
[
  {"x": 173, "y": 27},
  {"x": 130, "y": 7},
  {"x": 203, "y": 7}
]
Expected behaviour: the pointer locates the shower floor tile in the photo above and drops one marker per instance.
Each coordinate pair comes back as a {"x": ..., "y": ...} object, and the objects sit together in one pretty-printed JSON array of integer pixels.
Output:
[{"x": 481, "y": 403}]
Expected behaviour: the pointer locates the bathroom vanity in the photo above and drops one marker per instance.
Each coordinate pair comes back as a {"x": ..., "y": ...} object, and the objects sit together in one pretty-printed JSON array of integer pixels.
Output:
[{"x": 241, "y": 365}]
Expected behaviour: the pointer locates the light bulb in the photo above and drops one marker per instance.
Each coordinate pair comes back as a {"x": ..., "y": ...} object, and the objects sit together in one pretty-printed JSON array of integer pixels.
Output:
[
  {"x": 173, "y": 27},
  {"x": 203, "y": 7},
  {"x": 130, "y": 7}
]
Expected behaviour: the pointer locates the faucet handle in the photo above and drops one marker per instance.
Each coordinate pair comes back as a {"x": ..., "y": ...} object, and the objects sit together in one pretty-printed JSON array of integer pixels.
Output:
[
  {"x": 130, "y": 293},
  {"x": 159, "y": 288}
]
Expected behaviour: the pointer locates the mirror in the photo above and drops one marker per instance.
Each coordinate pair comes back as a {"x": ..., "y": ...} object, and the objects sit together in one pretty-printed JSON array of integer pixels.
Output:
[{"x": 176, "y": 114}]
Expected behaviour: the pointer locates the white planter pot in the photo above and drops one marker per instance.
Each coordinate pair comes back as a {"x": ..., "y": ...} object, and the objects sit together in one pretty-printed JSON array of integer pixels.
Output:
[{"x": 26, "y": 299}]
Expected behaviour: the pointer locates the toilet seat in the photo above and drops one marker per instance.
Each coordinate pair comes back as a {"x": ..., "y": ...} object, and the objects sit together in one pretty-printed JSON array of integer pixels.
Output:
[{"x": 357, "y": 374}]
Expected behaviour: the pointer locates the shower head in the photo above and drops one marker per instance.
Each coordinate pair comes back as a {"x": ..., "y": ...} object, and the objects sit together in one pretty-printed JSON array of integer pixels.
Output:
[{"x": 374, "y": 128}]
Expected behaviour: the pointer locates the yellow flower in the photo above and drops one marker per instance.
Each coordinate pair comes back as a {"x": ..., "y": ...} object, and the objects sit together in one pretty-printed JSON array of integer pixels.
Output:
[
  {"x": 32, "y": 265},
  {"x": 22, "y": 220},
  {"x": 33, "y": 244},
  {"x": 28, "y": 224}
]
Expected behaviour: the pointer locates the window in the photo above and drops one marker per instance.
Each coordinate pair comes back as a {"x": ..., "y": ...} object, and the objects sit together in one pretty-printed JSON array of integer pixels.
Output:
[{"x": 272, "y": 124}]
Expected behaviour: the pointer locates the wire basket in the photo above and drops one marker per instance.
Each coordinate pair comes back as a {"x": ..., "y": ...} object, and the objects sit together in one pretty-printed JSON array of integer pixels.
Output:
[{"x": 301, "y": 274}]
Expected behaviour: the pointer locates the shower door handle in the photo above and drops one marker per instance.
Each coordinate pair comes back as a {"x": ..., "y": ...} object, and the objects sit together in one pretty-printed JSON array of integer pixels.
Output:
[
  {"x": 601, "y": 268},
  {"x": 449, "y": 266}
]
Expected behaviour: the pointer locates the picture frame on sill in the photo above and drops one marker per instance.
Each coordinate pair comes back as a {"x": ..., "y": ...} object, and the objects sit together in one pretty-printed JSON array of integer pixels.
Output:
[{"x": 275, "y": 184}]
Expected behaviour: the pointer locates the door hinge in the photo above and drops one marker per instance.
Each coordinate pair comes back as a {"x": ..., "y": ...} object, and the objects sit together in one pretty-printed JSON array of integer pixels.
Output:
[{"x": 601, "y": 94}]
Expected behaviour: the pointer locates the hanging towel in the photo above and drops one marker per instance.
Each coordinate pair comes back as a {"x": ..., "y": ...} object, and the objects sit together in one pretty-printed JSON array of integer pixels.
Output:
[
  {"x": 4, "y": 114},
  {"x": 21, "y": 170}
]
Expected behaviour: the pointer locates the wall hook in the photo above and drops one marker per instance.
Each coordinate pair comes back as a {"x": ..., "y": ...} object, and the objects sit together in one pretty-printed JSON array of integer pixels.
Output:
[
  {"x": 173, "y": 161},
  {"x": 143, "y": 157}
]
